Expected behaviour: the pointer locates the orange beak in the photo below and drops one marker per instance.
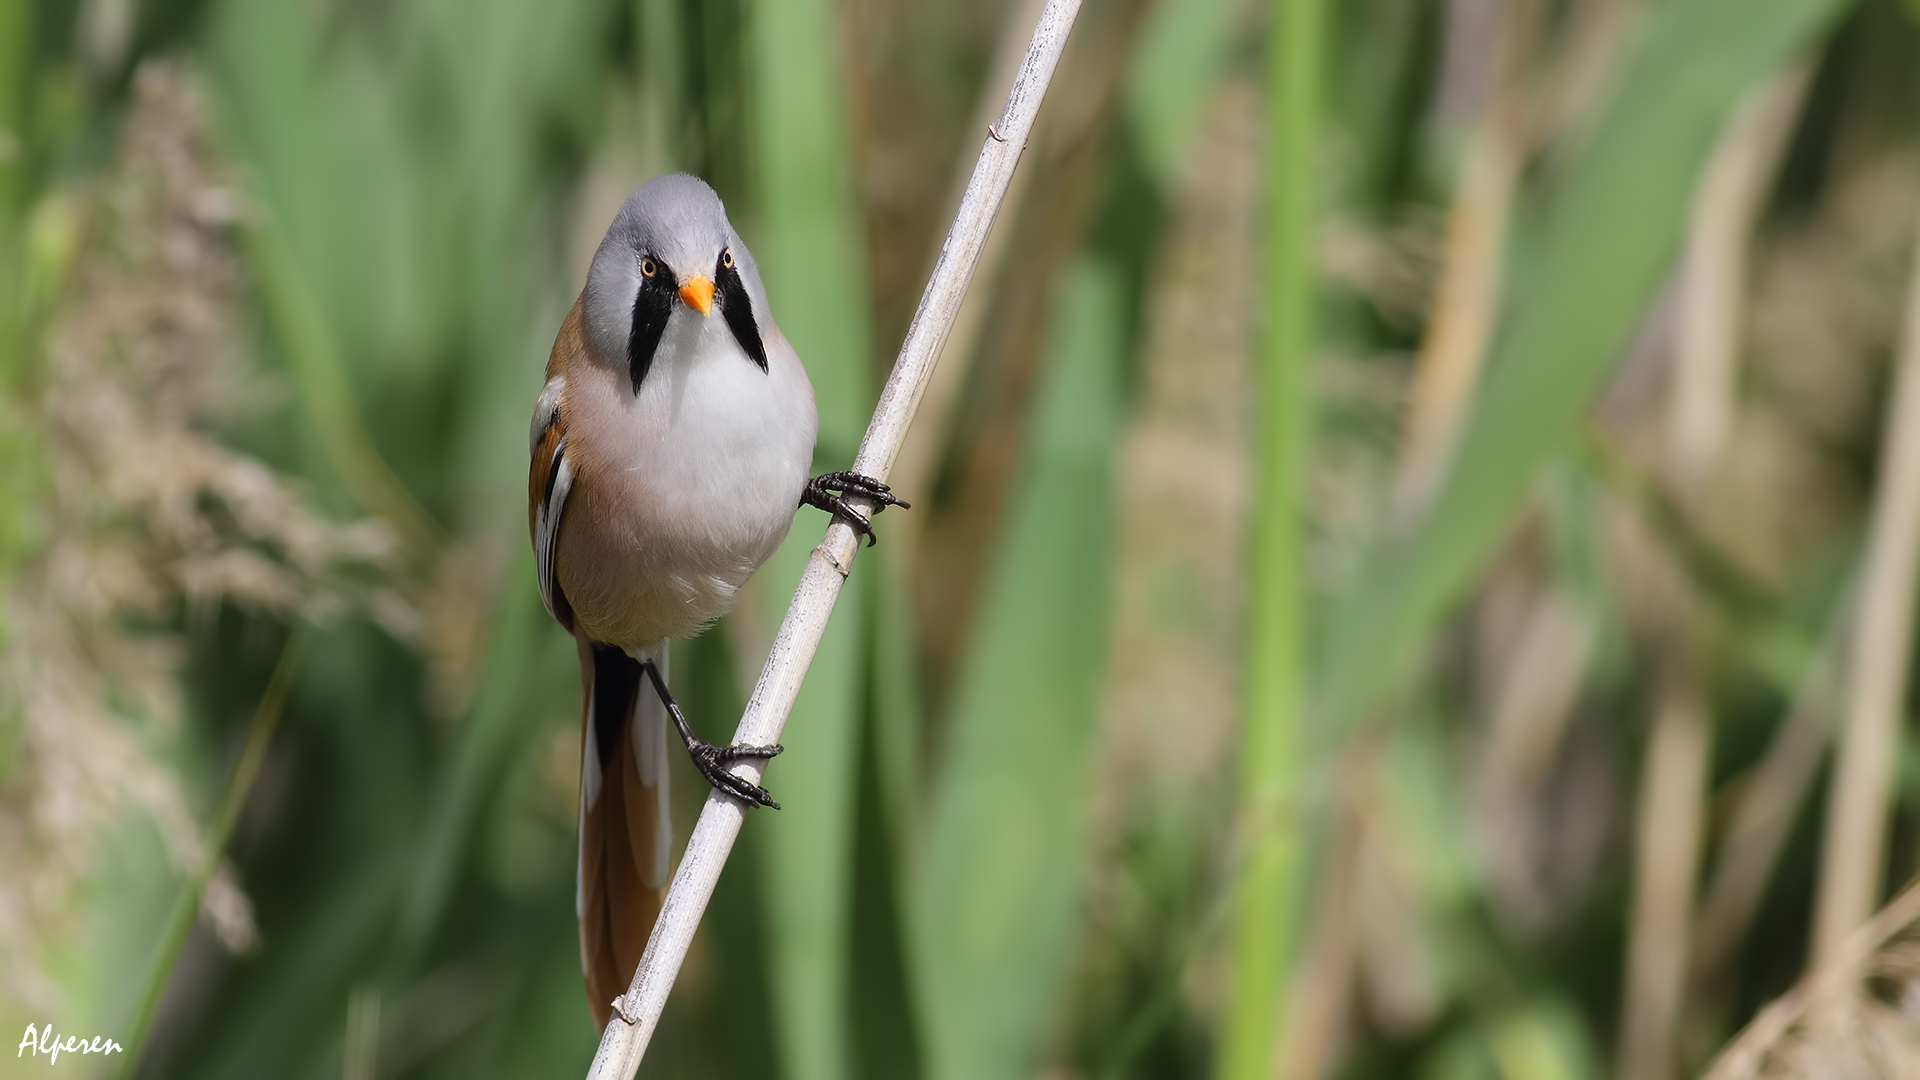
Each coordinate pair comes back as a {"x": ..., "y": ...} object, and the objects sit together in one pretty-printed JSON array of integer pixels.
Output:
[{"x": 697, "y": 291}]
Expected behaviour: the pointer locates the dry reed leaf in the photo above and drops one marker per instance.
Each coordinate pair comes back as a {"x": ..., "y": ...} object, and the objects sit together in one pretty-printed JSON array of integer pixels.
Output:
[
  {"x": 1171, "y": 703},
  {"x": 146, "y": 520},
  {"x": 1857, "y": 1018}
]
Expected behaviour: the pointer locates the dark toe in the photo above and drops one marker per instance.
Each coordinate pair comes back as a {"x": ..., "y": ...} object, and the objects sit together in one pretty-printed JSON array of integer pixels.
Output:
[
  {"x": 712, "y": 761},
  {"x": 751, "y": 793},
  {"x": 856, "y": 519},
  {"x": 875, "y": 490}
]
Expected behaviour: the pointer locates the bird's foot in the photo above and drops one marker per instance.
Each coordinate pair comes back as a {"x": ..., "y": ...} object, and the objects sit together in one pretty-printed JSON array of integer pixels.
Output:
[
  {"x": 715, "y": 763},
  {"x": 829, "y": 492}
]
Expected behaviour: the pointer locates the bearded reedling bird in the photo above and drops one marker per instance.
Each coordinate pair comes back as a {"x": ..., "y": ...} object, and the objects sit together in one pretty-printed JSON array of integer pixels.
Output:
[{"x": 670, "y": 450}]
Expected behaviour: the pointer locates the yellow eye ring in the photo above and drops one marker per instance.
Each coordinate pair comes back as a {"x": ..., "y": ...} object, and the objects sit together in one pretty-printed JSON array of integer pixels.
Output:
[
  {"x": 649, "y": 267},
  {"x": 726, "y": 258}
]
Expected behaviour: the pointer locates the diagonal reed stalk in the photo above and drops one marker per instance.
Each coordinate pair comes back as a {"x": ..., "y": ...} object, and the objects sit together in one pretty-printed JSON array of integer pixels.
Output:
[
  {"x": 1466, "y": 296},
  {"x": 1263, "y": 922},
  {"x": 637, "y": 1013}
]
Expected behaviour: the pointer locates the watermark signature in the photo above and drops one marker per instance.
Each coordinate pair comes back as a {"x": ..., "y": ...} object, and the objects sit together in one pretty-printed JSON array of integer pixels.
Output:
[{"x": 45, "y": 1041}]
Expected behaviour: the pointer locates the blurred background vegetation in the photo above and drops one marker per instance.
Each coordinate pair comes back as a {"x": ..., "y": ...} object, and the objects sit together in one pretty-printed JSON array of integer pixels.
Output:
[{"x": 1416, "y": 494}]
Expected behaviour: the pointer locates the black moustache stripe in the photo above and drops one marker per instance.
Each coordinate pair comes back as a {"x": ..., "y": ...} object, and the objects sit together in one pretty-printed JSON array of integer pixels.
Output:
[
  {"x": 737, "y": 307},
  {"x": 651, "y": 306}
]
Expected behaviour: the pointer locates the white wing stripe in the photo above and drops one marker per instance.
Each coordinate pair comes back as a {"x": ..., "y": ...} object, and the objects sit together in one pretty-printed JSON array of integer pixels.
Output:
[
  {"x": 546, "y": 524},
  {"x": 544, "y": 412}
]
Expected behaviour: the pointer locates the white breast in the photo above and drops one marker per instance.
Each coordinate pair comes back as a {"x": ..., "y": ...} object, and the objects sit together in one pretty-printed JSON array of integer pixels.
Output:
[{"x": 698, "y": 478}]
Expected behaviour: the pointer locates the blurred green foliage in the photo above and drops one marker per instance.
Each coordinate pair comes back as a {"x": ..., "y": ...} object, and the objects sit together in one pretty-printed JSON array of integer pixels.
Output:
[
  {"x": 991, "y": 910},
  {"x": 982, "y": 870}
]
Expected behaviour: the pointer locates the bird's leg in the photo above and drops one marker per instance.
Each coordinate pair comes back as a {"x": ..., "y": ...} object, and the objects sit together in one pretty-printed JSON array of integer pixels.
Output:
[
  {"x": 828, "y": 491},
  {"x": 711, "y": 760}
]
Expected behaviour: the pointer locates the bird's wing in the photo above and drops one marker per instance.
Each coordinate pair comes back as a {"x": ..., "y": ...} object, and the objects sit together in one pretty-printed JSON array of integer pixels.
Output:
[
  {"x": 549, "y": 482},
  {"x": 550, "y": 471},
  {"x": 626, "y": 835}
]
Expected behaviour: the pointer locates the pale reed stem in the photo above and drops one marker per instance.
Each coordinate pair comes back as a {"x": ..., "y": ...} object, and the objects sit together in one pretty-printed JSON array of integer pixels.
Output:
[
  {"x": 1855, "y": 845},
  {"x": 1701, "y": 399},
  {"x": 1666, "y": 856}
]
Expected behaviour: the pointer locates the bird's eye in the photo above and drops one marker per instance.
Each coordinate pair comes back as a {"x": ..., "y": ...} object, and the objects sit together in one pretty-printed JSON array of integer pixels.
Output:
[
  {"x": 649, "y": 267},
  {"x": 726, "y": 258}
]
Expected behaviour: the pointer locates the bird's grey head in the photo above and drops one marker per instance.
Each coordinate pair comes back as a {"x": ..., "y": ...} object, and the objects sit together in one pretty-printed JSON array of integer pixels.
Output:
[{"x": 671, "y": 254}]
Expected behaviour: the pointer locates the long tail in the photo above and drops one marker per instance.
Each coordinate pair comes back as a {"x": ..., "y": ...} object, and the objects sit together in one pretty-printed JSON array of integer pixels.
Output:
[{"x": 626, "y": 835}]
